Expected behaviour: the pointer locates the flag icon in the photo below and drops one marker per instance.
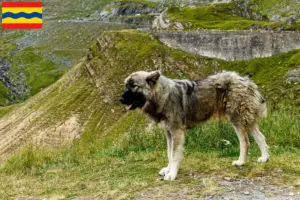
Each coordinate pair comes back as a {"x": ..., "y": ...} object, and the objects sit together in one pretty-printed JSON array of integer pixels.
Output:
[{"x": 22, "y": 15}]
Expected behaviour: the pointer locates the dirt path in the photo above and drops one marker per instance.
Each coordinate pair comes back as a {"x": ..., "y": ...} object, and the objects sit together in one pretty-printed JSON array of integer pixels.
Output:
[
  {"x": 209, "y": 188},
  {"x": 224, "y": 188}
]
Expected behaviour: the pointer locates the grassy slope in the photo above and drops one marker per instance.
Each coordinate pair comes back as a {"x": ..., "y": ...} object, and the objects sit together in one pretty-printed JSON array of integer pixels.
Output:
[
  {"x": 4, "y": 95},
  {"x": 57, "y": 9},
  {"x": 271, "y": 75},
  {"x": 219, "y": 17},
  {"x": 7, "y": 47},
  {"x": 60, "y": 45},
  {"x": 7, "y": 109},
  {"x": 53, "y": 50},
  {"x": 49, "y": 52},
  {"x": 40, "y": 71},
  {"x": 283, "y": 8},
  {"x": 109, "y": 159}
]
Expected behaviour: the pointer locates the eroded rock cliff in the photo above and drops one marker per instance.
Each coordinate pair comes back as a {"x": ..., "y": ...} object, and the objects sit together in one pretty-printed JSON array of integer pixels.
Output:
[{"x": 232, "y": 45}]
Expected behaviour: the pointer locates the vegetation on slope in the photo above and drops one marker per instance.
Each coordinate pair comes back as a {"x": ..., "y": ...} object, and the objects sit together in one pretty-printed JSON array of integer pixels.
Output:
[
  {"x": 5, "y": 95},
  {"x": 226, "y": 16},
  {"x": 115, "y": 155},
  {"x": 40, "y": 58},
  {"x": 7, "y": 48},
  {"x": 60, "y": 44},
  {"x": 283, "y": 8},
  {"x": 39, "y": 71},
  {"x": 57, "y": 9},
  {"x": 272, "y": 75}
]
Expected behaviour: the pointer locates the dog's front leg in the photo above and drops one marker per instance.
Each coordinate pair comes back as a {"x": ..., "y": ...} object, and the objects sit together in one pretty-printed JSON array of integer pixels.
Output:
[
  {"x": 244, "y": 145},
  {"x": 176, "y": 154},
  {"x": 166, "y": 170}
]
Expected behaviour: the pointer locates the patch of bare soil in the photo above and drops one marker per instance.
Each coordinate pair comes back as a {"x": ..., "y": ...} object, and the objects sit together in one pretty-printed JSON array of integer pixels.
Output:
[
  {"x": 226, "y": 188},
  {"x": 209, "y": 188},
  {"x": 19, "y": 129},
  {"x": 58, "y": 198},
  {"x": 60, "y": 134},
  {"x": 14, "y": 131}
]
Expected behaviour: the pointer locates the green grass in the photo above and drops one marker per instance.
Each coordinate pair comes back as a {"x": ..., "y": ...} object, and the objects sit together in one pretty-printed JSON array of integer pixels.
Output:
[
  {"x": 5, "y": 95},
  {"x": 130, "y": 163},
  {"x": 59, "y": 39},
  {"x": 77, "y": 9},
  {"x": 7, "y": 109},
  {"x": 36, "y": 67},
  {"x": 217, "y": 17},
  {"x": 7, "y": 49},
  {"x": 284, "y": 8},
  {"x": 72, "y": 9},
  {"x": 39, "y": 71}
]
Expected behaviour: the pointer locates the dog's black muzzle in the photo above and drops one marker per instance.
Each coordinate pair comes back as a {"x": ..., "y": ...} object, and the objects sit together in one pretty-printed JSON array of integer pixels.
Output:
[
  {"x": 127, "y": 99},
  {"x": 132, "y": 100}
]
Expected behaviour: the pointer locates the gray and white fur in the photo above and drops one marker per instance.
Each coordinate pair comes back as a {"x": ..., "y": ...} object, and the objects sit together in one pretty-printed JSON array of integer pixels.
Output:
[{"x": 177, "y": 105}]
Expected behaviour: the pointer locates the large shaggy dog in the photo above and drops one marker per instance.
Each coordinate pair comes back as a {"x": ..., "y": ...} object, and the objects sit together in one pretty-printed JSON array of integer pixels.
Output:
[{"x": 177, "y": 105}]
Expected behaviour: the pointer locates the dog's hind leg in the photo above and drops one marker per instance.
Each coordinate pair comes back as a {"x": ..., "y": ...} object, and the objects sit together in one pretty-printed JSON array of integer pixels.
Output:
[
  {"x": 261, "y": 141},
  {"x": 244, "y": 145},
  {"x": 166, "y": 170},
  {"x": 176, "y": 154}
]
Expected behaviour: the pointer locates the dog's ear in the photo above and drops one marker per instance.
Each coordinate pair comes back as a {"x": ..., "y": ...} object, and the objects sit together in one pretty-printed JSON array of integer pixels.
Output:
[{"x": 153, "y": 77}]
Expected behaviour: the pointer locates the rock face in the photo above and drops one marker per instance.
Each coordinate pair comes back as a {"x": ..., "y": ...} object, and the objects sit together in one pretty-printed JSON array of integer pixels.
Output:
[
  {"x": 4, "y": 78},
  {"x": 191, "y": 2},
  {"x": 127, "y": 12},
  {"x": 293, "y": 76},
  {"x": 232, "y": 45}
]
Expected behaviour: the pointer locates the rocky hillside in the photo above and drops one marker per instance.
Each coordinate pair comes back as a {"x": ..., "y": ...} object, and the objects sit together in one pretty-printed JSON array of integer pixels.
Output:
[
  {"x": 32, "y": 60},
  {"x": 285, "y": 10},
  {"x": 235, "y": 15},
  {"x": 232, "y": 45}
]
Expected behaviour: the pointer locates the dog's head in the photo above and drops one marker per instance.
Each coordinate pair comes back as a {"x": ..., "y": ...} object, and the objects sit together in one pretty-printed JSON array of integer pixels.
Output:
[{"x": 139, "y": 89}]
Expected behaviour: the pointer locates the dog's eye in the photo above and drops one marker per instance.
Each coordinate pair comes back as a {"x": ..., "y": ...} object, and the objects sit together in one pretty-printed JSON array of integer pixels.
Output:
[{"x": 132, "y": 84}]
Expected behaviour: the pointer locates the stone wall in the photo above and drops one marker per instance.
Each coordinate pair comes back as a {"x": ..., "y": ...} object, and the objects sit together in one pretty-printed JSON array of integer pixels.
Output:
[{"x": 232, "y": 45}]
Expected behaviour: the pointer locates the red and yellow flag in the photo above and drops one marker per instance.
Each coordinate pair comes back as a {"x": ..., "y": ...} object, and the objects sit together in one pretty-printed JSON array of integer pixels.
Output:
[{"x": 22, "y": 15}]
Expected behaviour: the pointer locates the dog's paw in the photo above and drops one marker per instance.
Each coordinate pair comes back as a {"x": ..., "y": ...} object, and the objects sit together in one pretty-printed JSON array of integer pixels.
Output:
[
  {"x": 263, "y": 159},
  {"x": 170, "y": 176},
  {"x": 238, "y": 163},
  {"x": 164, "y": 171}
]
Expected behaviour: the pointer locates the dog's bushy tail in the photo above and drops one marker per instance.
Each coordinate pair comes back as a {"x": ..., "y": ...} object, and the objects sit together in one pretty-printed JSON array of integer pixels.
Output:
[{"x": 262, "y": 113}]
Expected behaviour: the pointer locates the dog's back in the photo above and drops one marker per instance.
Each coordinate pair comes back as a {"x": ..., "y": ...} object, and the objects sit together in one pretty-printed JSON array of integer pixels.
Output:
[{"x": 236, "y": 96}]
